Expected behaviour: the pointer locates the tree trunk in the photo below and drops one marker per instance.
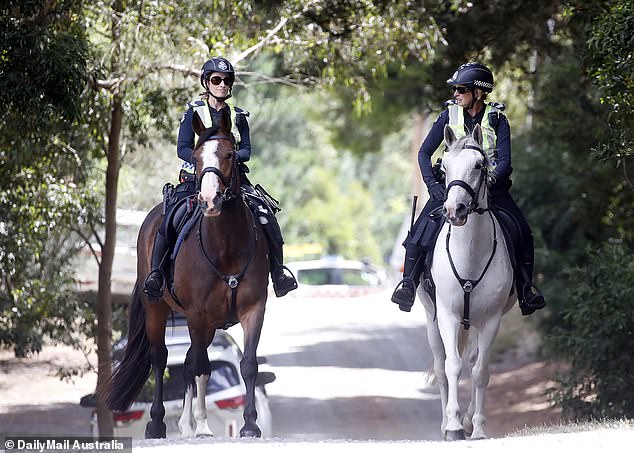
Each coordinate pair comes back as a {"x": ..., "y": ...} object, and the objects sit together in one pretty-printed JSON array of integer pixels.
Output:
[{"x": 104, "y": 295}]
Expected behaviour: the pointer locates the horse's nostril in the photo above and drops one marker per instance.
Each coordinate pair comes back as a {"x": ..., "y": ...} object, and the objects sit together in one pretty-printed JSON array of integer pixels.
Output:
[{"x": 461, "y": 209}]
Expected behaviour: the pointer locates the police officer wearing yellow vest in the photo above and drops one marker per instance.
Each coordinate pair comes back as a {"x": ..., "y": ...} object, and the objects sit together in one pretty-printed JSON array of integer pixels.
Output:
[
  {"x": 217, "y": 77},
  {"x": 471, "y": 82}
]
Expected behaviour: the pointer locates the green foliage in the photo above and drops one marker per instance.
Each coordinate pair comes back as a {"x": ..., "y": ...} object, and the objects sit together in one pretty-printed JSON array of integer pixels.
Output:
[
  {"x": 43, "y": 191},
  {"x": 597, "y": 337},
  {"x": 611, "y": 65}
]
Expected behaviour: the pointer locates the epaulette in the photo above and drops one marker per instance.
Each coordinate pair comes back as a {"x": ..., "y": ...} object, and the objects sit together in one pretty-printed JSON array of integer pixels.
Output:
[
  {"x": 497, "y": 105},
  {"x": 240, "y": 111},
  {"x": 192, "y": 104}
]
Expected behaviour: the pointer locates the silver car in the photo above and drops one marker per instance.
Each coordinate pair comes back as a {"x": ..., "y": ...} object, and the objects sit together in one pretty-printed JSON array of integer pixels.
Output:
[{"x": 225, "y": 390}]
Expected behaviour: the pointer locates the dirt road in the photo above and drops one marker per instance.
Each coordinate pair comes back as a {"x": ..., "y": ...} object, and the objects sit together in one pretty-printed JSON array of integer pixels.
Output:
[{"x": 347, "y": 368}]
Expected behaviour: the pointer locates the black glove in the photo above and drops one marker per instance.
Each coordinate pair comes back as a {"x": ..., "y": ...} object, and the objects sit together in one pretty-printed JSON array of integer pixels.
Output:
[{"x": 436, "y": 191}]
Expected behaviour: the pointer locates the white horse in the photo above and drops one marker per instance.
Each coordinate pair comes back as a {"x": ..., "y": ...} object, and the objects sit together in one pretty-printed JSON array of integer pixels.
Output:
[{"x": 473, "y": 276}]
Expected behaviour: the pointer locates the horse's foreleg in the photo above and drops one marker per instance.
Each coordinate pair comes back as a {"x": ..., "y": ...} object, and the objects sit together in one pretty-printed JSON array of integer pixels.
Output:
[
  {"x": 480, "y": 375},
  {"x": 467, "y": 420},
  {"x": 252, "y": 326},
  {"x": 438, "y": 351},
  {"x": 155, "y": 428},
  {"x": 453, "y": 368}
]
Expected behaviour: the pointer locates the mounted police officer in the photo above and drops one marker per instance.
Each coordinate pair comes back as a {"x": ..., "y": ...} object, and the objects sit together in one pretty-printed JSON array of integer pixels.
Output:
[
  {"x": 471, "y": 83},
  {"x": 217, "y": 77}
]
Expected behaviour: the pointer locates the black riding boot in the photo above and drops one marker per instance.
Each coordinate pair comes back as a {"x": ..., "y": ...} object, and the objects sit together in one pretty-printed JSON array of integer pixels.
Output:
[
  {"x": 283, "y": 279},
  {"x": 153, "y": 286},
  {"x": 529, "y": 297},
  {"x": 405, "y": 291}
]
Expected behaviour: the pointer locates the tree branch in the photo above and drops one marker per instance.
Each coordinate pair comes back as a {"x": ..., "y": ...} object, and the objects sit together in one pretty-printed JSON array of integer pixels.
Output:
[{"x": 264, "y": 41}]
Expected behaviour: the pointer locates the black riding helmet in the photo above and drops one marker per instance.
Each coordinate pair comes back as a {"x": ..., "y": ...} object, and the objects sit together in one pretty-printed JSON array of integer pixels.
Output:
[
  {"x": 473, "y": 75},
  {"x": 216, "y": 64}
]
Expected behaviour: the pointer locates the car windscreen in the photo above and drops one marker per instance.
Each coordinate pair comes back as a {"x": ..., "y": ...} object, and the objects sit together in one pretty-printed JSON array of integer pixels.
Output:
[
  {"x": 338, "y": 276},
  {"x": 223, "y": 376}
]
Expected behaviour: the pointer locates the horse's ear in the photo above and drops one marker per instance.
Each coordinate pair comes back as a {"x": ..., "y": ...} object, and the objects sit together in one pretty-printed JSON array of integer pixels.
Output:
[
  {"x": 197, "y": 124},
  {"x": 450, "y": 136},
  {"x": 477, "y": 135}
]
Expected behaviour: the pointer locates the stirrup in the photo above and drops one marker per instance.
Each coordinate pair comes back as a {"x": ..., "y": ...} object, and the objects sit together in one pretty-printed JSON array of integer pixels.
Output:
[
  {"x": 154, "y": 283},
  {"x": 283, "y": 283},
  {"x": 404, "y": 294},
  {"x": 531, "y": 301}
]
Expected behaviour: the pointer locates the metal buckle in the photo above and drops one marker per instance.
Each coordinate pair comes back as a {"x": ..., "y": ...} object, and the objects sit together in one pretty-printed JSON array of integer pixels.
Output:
[
  {"x": 232, "y": 281},
  {"x": 468, "y": 286}
]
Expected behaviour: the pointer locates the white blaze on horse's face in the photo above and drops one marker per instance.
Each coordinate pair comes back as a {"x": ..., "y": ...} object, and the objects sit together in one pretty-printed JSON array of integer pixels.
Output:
[
  {"x": 210, "y": 196},
  {"x": 461, "y": 165}
]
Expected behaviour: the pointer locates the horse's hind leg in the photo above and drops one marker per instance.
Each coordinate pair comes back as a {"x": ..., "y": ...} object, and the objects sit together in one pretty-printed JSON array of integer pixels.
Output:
[
  {"x": 186, "y": 422},
  {"x": 252, "y": 326},
  {"x": 156, "y": 318}
]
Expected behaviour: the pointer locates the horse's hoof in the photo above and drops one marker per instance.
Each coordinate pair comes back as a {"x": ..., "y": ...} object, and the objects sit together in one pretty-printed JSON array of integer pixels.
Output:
[
  {"x": 204, "y": 436},
  {"x": 155, "y": 430},
  {"x": 455, "y": 435},
  {"x": 254, "y": 433}
]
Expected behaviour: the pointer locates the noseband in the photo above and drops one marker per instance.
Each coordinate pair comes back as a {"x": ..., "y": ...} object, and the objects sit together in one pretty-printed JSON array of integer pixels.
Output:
[
  {"x": 228, "y": 193},
  {"x": 474, "y": 194}
]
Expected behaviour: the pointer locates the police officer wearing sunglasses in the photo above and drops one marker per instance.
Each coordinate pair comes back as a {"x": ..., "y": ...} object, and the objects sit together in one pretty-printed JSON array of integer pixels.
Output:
[
  {"x": 217, "y": 77},
  {"x": 470, "y": 85}
]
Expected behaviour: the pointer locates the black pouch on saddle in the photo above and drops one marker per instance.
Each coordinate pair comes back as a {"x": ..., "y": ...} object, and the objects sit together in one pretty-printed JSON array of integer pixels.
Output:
[
  {"x": 426, "y": 229},
  {"x": 270, "y": 202}
]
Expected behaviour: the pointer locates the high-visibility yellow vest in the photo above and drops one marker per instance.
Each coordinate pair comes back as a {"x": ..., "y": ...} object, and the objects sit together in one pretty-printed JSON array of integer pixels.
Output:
[
  {"x": 204, "y": 112},
  {"x": 456, "y": 122}
]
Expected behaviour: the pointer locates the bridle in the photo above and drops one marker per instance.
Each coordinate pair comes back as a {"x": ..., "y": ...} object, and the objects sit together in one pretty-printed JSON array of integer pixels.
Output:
[
  {"x": 474, "y": 194},
  {"x": 229, "y": 193}
]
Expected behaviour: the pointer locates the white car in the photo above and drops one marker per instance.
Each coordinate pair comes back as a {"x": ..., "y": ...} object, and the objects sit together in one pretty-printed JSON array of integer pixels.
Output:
[
  {"x": 334, "y": 275},
  {"x": 225, "y": 390}
]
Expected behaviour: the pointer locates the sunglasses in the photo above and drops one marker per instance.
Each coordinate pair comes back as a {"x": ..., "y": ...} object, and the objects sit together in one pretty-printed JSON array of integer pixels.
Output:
[
  {"x": 215, "y": 80},
  {"x": 461, "y": 90}
]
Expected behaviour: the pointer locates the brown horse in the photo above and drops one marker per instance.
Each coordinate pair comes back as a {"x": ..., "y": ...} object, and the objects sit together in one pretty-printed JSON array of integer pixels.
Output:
[{"x": 220, "y": 278}]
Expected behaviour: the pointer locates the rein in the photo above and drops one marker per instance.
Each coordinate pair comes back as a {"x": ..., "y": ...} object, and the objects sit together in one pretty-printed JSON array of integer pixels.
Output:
[{"x": 469, "y": 285}]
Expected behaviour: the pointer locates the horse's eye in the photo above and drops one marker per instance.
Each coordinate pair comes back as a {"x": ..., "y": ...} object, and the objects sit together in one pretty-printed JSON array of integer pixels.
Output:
[
  {"x": 230, "y": 155},
  {"x": 478, "y": 166}
]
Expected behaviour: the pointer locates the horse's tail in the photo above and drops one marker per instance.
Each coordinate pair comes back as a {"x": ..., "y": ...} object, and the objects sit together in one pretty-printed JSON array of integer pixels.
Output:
[
  {"x": 130, "y": 375},
  {"x": 463, "y": 340},
  {"x": 429, "y": 375}
]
